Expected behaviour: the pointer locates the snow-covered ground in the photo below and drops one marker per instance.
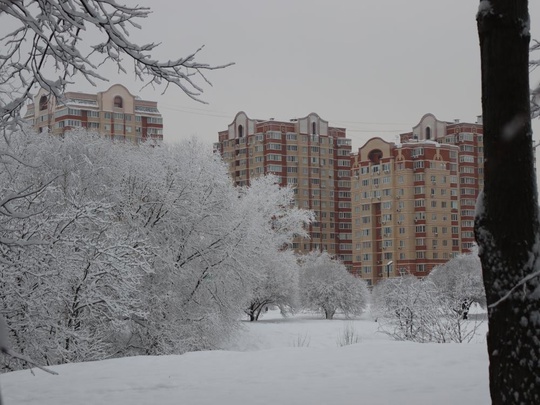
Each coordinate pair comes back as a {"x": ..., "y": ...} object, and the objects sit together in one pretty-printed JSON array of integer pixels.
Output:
[{"x": 297, "y": 360}]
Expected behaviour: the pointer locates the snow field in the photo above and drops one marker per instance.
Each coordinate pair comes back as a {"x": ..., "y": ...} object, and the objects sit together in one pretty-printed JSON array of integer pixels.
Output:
[{"x": 266, "y": 366}]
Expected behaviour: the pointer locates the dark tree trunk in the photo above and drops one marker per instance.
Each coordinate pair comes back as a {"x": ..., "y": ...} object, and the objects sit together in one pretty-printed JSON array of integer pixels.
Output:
[
  {"x": 507, "y": 219},
  {"x": 329, "y": 313}
]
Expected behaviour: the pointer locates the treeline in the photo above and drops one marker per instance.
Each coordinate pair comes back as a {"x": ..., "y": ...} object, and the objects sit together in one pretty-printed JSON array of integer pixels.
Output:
[{"x": 110, "y": 250}]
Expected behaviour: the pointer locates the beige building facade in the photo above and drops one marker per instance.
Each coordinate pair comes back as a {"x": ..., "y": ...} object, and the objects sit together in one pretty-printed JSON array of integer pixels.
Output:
[
  {"x": 115, "y": 113},
  {"x": 413, "y": 201}
]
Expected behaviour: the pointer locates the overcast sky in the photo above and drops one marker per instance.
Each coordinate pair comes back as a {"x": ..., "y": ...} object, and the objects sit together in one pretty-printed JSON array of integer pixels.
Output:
[{"x": 371, "y": 66}]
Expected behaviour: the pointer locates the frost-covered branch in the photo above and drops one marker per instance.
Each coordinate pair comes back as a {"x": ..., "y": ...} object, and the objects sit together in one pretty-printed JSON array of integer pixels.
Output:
[{"x": 75, "y": 38}]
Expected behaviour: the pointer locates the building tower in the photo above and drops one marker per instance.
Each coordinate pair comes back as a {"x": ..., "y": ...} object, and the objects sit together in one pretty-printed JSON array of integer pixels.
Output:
[
  {"x": 413, "y": 201},
  {"x": 115, "y": 113},
  {"x": 469, "y": 138},
  {"x": 307, "y": 154}
]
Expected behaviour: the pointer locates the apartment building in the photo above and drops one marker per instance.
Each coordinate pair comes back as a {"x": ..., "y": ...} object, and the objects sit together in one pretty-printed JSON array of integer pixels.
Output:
[
  {"x": 307, "y": 154},
  {"x": 413, "y": 201},
  {"x": 115, "y": 113}
]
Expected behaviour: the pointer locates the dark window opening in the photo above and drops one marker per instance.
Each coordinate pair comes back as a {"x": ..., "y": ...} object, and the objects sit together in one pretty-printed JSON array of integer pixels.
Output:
[
  {"x": 43, "y": 103},
  {"x": 240, "y": 131},
  {"x": 428, "y": 133},
  {"x": 118, "y": 102},
  {"x": 375, "y": 156}
]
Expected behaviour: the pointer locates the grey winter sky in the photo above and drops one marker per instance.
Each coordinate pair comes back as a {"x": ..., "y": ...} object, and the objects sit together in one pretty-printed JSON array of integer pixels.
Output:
[{"x": 372, "y": 66}]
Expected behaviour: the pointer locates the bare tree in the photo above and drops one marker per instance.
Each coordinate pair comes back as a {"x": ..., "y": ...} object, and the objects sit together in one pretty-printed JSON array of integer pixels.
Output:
[
  {"x": 74, "y": 38},
  {"x": 507, "y": 222}
]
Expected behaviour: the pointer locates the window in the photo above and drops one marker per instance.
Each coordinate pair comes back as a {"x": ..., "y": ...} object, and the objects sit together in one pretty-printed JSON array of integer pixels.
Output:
[
  {"x": 118, "y": 102},
  {"x": 272, "y": 146},
  {"x": 43, "y": 103},
  {"x": 466, "y": 159},
  {"x": 275, "y": 158},
  {"x": 73, "y": 123},
  {"x": 272, "y": 134},
  {"x": 274, "y": 168}
]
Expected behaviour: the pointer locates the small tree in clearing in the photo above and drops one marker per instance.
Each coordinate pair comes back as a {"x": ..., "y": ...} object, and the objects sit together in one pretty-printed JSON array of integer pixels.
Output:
[
  {"x": 402, "y": 307},
  {"x": 460, "y": 282},
  {"x": 326, "y": 286},
  {"x": 277, "y": 286}
]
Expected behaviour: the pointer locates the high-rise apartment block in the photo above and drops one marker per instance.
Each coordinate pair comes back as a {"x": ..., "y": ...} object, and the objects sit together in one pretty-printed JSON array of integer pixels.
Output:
[
  {"x": 413, "y": 201},
  {"x": 308, "y": 154},
  {"x": 115, "y": 113},
  {"x": 391, "y": 209}
]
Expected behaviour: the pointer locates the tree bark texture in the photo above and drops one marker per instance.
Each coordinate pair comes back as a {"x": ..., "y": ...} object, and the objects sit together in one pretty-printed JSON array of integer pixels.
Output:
[{"x": 507, "y": 215}]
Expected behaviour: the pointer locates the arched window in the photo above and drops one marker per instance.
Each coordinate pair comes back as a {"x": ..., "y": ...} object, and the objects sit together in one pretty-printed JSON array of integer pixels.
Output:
[
  {"x": 313, "y": 128},
  {"x": 240, "y": 131},
  {"x": 118, "y": 102},
  {"x": 375, "y": 156},
  {"x": 428, "y": 133},
  {"x": 43, "y": 103}
]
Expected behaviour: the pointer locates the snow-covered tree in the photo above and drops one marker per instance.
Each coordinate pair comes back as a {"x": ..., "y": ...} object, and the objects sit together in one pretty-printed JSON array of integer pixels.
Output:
[
  {"x": 53, "y": 42},
  {"x": 70, "y": 290},
  {"x": 507, "y": 223},
  {"x": 274, "y": 220},
  {"x": 210, "y": 240},
  {"x": 404, "y": 307},
  {"x": 277, "y": 284},
  {"x": 460, "y": 281},
  {"x": 327, "y": 287},
  {"x": 135, "y": 249}
]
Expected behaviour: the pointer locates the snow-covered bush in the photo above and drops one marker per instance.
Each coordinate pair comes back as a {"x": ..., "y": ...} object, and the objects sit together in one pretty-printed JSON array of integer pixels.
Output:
[
  {"x": 459, "y": 281},
  {"x": 411, "y": 309},
  {"x": 348, "y": 336},
  {"x": 327, "y": 287}
]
